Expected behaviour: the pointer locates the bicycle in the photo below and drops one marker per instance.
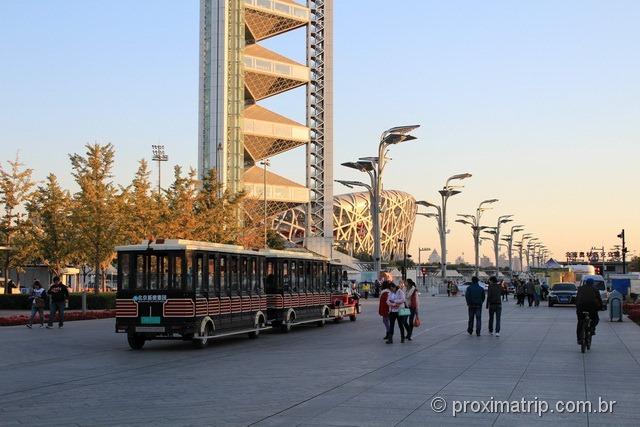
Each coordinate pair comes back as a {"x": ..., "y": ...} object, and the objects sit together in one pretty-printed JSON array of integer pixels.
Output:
[{"x": 585, "y": 333}]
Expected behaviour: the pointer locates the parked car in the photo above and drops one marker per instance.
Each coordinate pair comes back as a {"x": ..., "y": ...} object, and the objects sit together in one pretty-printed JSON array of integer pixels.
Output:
[
  {"x": 562, "y": 293},
  {"x": 599, "y": 284}
]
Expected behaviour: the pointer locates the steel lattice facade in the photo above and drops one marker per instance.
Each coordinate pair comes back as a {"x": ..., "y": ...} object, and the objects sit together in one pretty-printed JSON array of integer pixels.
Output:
[{"x": 352, "y": 222}]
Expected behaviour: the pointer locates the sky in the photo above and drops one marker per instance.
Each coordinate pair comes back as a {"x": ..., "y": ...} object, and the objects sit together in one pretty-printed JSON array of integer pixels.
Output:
[{"x": 539, "y": 100}]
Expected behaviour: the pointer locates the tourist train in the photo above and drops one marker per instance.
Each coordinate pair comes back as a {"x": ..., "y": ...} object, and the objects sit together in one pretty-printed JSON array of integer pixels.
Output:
[{"x": 197, "y": 291}]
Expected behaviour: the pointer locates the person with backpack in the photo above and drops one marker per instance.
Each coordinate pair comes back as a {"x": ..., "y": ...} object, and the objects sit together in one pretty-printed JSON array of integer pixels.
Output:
[
  {"x": 494, "y": 304},
  {"x": 412, "y": 304},
  {"x": 59, "y": 294},
  {"x": 520, "y": 292},
  {"x": 37, "y": 299},
  {"x": 475, "y": 297}
]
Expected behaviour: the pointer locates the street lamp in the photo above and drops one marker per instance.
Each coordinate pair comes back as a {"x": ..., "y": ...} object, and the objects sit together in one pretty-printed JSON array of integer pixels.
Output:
[
  {"x": 265, "y": 163},
  {"x": 474, "y": 222},
  {"x": 404, "y": 258},
  {"x": 520, "y": 247},
  {"x": 374, "y": 167},
  {"x": 159, "y": 156},
  {"x": 447, "y": 191},
  {"x": 495, "y": 231},
  {"x": 509, "y": 239}
]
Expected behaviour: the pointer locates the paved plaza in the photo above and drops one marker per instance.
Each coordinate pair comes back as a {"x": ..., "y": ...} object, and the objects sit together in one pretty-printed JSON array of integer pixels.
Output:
[{"x": 339, "y": 375}]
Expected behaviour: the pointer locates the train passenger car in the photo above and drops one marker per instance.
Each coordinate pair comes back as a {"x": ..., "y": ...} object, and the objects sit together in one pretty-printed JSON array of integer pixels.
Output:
[
  {"x": 180, "y": 289},
  {"x": 302, "y": 288},
  {"x": 189, "y": 290}
]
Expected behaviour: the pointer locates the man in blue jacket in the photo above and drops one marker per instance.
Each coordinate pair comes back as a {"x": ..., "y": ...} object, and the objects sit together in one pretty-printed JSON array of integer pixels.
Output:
[{"x": 475, "y": 297}]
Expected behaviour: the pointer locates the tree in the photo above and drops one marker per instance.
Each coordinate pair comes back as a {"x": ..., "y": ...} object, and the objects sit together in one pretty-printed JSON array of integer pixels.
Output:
[
  {"x": 215, "y": 212},
  {"x": 50, "y": 214},
  {"x": 179, "y": 219},
  {"x": 634, "y": 264},
  {"x": 16, "y": 186},
  {"x": 143, "y": 207},
  {"x": 275, "y": 240},
  {"x": 97, "y": 208}
]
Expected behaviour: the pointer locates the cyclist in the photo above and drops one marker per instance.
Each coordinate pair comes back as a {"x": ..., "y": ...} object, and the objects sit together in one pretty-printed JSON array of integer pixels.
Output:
[{"x": 589, "y": 300}]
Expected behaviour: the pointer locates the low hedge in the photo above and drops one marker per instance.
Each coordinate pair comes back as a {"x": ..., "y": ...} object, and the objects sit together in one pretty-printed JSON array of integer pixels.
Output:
[
  {"x": 68, "y": 317},
  {"x": 102, "y": 301}
]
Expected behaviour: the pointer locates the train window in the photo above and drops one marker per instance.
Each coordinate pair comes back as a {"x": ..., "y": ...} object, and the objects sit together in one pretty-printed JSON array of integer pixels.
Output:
[
  {"x": 211, "y": 272},
  {"x": 286, "y": 285},
  {"x": 200, "y": 285},
  {"x": 163, "y": 271},
  {"x": 124, "y": 275},
  {"x": 177, "y": 274},
  {"x": 140, "y": 272},
  {"x": 293, "y": 276},
  {"x": 189, "y": 272},
  {"x": 224, "y": 282},
  {"x": 270, "y": 274},
  {"x": 253, "y": 267},
  {"x": 234, "y": 283},
  {"x": 325, "y": 277},
  {"x": 245, "y": 275},
  {"x": 153, "y": 272},
  {"x": 307, "y": 275}
]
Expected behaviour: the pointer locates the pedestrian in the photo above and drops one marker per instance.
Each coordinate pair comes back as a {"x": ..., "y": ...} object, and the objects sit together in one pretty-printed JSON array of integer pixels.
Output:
[
  {"x": 10, "y": 286},
  {"x": 59, "y": 295},
  {"x": 449, "y": 288},
  {"x": 537, "y": 289},
  {"x": 494, "y": 304},
  {"x": 383, "y": 307},
  {"x": 376, "y": 289},
  {"x": 37, "y": 299},
  {"x": 397, "y": 311},
  {"x": 365, "y": 290},
  {"x": 475, "y": 297},
  {"x": 412, "y": 304},
  {"x": 505, "y": 290},
  {"x": 530, "y": 291},
  {"x": 520, "y": 290}
]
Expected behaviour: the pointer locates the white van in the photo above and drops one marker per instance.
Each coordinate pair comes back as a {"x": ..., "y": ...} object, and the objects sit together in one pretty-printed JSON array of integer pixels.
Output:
[{"x": 600, "y": 285}]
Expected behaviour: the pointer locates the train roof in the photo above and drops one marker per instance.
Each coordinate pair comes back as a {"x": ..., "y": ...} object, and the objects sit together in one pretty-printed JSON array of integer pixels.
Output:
[{"x": 180, "y": 244}]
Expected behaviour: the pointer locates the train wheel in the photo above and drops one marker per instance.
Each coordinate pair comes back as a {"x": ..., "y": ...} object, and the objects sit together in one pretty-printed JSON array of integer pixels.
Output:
[
  {"x": 352, "y": 317},
  {"x": 322, "y": 322},
  {"x": 202, "y": 343},
  {"x": 136, "y": 342},
  {"x": 256, "y": 333}
]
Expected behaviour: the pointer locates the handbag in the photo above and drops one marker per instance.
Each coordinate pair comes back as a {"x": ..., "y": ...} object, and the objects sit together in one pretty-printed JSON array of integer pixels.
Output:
[
  {"x": 38, "y": 302},
  {"x": 416, "y": 322},
  {"x": 404, "y": 312}
]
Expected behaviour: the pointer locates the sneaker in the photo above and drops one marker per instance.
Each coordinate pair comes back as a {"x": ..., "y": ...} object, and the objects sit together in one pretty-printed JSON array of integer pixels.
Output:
[
  {"x": 389, "y": 341},
  {"x": 59, "y": 326},
  {"x": 409, "y": 339},
  {"x": 402, "y": 340},
  {"x": 497, "y": 334},
  {"x": 470, "y": 332},
  {"x": 490, "y": 332},
  {"x": 42, "y": 326},
  {"x": 28, "y": 326},
  {"x": 478, "y": 334},
  {"x": 49, "y": 326}
]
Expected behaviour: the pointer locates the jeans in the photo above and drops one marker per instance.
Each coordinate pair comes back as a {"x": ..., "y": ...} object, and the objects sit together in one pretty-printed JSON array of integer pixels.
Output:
[
  {"x": 495, "y": 310},
  {"x": 412, "y": 317},
  {"x": 35, "y": 310},
  {"x": 402, "y": 324},
  {"x": 595, "y": 319},
  {"x": 475, "y": 312},
  {"x": 385, "y": 320},
  {"x": 59, "y": 307},
  {"x": 530, "y": 299}
]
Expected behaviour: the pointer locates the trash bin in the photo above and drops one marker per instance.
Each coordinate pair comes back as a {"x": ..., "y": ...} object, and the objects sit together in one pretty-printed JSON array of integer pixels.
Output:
[{"x": 615, "y": 306}]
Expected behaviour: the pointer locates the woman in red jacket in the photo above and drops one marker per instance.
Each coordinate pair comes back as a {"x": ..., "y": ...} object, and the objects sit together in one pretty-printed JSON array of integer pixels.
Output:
[{"x": 383, "y": 307}]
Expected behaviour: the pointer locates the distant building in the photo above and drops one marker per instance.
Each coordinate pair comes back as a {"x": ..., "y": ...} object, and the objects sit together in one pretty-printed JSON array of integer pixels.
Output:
[
  {"x": 434, "y": 258},
  {"x": 485, "y": 261},
  {"x": 460, "y": 260}
]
